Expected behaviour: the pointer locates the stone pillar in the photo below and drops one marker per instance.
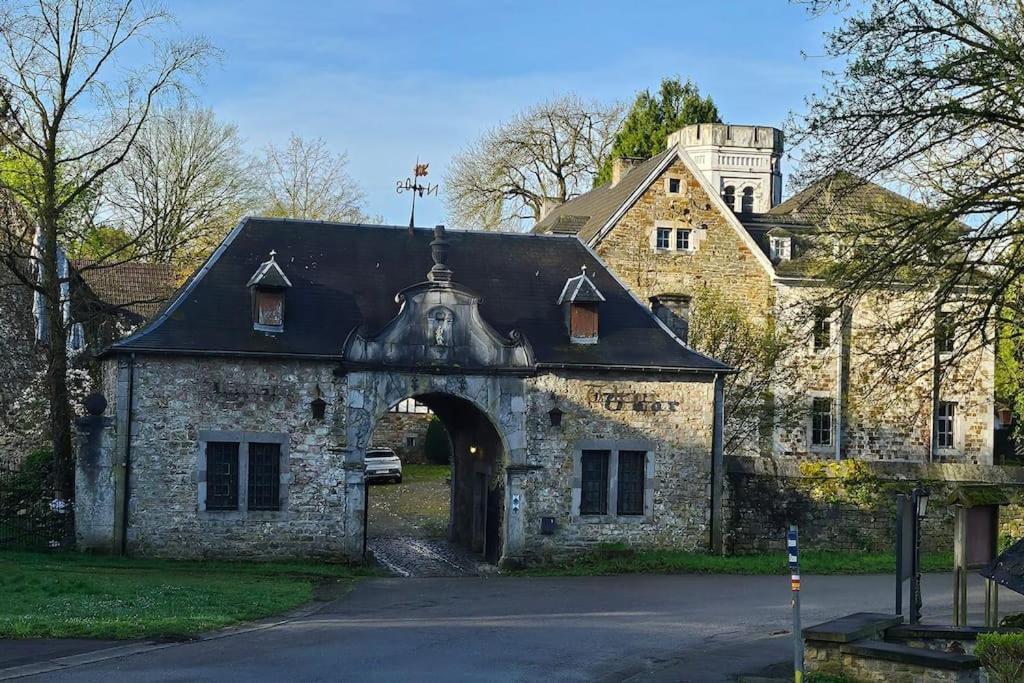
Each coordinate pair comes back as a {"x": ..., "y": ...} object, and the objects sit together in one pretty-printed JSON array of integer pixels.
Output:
[
  {"x": 95, "y": 480},
  {"x": 515, "y": 518}
]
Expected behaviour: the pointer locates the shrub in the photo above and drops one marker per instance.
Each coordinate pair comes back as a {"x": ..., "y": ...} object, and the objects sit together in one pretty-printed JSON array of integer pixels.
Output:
[
  {"x": 29, "y": 486},
  {"x": 1002, "y": 655},
  {"x": 437, "y": 444}
]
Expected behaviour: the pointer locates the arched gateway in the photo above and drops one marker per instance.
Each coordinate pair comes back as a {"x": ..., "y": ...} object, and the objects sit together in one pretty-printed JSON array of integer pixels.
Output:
[{"x": 244, "y": 411}]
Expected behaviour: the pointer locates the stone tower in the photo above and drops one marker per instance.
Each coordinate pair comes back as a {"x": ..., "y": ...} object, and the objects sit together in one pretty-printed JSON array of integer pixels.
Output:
[{"x": 742, "y": 162}]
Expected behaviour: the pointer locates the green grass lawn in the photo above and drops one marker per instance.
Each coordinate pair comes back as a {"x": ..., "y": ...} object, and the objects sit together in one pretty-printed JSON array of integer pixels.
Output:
[
  {"x": 67, "y": 595},
  {"x": 425, "y": 472},
  {"x": 614, "y": 560}
]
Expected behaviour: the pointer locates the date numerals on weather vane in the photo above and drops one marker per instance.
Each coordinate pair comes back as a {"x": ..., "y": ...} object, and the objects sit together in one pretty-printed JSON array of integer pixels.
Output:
[{"x": 417, "y": 188}]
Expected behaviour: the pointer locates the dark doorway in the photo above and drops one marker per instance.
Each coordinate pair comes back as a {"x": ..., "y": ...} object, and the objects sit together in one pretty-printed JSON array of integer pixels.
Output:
[{"x": 437, "y": 508}]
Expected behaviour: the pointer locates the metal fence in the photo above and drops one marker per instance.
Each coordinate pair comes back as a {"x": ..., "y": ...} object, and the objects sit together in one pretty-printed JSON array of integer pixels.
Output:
[{"x": 29, "y": 518}]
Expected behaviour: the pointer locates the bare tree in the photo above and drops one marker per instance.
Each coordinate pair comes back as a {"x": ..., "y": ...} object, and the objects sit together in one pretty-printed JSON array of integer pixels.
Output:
[
  {"x": 928, "y": 102},
  {"x": 182, "y": 186},
  {"x": 543, "y": 156},
  {"x": 306, "y": 180},
  {"x": 81, "y": 78}
]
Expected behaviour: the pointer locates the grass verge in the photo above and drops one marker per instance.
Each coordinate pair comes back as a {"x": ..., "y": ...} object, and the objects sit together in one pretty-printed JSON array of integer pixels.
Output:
[
  {"x": 61, "y": 596},
  {"x": 614, "y": 560},
  {"x": 413, "y": 473}
]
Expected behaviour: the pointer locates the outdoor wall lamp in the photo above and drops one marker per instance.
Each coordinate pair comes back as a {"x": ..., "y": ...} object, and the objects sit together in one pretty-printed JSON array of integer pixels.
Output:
[
  {"x": 473, "y": 450},
  {"x": 555, "y": 416}
]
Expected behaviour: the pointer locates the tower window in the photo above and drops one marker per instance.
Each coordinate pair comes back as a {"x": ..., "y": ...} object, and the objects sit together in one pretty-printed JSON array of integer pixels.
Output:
[
  {"x": 747, "y": 201},
  {"x": 821, "y": 422},
  {"x": 946, "y": 436},
  {"x": 729, "y": 196}
]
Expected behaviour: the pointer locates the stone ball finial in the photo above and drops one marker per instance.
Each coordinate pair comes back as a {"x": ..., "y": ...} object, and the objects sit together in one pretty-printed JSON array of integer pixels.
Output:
[{"x": 95, "y": 403}]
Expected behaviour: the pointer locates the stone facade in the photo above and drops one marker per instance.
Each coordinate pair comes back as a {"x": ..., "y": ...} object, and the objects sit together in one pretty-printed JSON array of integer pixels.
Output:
[
  {"x": 405, "y": 433},
  {"x": 828, "y": 659},
  {"x": 721, "y": 258},
  {"x": 878, "y": 414},
  {"x": 178, "y": 403}
]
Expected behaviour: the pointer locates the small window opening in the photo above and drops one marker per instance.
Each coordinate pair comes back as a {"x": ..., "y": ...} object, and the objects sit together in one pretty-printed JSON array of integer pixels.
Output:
[
  {"x": 946, "y": 436},
  {"x": 674, "y": 185},
  {"x": 729, "y": 196},
  {"x": 821, "y": 422},
  {"x": 682, "y": 240},
  {"x": 822, "y": 330},
  {"x": 945, "y": 332},
  {"x": 663, "y": 238},
  {"x": 747, "y": 201}
]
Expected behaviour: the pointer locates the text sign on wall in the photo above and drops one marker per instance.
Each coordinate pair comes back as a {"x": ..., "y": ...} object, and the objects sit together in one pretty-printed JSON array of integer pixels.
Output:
[
  {"x": 247, "y": 390},
  {"x": 637, "y": 402}
]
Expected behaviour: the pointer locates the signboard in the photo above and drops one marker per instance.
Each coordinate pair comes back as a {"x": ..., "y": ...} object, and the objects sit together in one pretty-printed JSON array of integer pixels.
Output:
[{"x": 982, "y": 535}]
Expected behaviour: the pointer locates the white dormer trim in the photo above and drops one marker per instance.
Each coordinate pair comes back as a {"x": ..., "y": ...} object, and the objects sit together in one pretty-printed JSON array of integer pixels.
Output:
[
  {"x": 713, "y": 197},
  {"x": 265, "y": 268},
  {"x": 572, "y": 287}
]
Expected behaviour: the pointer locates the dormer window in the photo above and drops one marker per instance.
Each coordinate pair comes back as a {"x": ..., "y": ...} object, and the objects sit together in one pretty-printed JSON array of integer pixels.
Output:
[
  {"x": 580, "y": 299},
  {"x": 268, "y": 286}
]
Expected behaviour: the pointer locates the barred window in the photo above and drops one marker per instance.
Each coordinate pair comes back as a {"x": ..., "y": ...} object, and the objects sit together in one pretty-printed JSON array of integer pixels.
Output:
[
  {"x": 631, "y": 482},
  {"x": 594, "y": 482},
  {"x": 221, "y": 475},
  {"x": 946, "y": 425},
  {"x": 264, "y": 476},
  {"x": 821, "y": 422}
]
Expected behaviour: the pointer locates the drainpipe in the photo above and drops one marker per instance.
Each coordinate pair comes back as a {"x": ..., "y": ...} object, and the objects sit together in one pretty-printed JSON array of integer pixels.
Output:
[
  {"x": 717, "y": 465},
  {"x": 842, "y": 378},
  {"x": 933, "y": 448}
]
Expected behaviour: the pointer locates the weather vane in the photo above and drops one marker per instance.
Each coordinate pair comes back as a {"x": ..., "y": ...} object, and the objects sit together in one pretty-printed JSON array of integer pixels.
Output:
[{"x": 418, "y": 189}]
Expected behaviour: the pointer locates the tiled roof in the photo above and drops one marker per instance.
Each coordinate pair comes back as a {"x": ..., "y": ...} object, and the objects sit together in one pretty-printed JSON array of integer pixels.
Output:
[
  {"x": 585, "y": 215},
  {"x": 345, "y": 277},
  {"x": 141, "y": 288}
]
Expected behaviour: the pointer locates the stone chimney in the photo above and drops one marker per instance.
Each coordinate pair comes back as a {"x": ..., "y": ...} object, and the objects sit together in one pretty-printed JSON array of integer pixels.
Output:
[
  {"x": 547, "y": 205},
  {"x": 623, "y": 165}
]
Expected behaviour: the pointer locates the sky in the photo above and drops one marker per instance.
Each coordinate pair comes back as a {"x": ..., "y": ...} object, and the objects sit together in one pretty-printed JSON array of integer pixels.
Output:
[{"x": 391, "y": 81}]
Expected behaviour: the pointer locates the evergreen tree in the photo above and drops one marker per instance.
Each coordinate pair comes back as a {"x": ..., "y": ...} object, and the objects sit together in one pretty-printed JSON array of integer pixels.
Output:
[{"x": 653, "y": 117}]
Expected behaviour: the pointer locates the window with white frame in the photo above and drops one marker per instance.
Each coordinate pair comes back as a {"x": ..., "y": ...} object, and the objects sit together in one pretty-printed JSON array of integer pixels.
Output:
[
  {"x": 663, "y": 238},
  {"x": 613, "y": 479},
  {"x": 242, "y": 472},
  {"x": 946, "y": 425},
  {"x": 780, "y": 248},
  {"x": 682, "y": 240},
  {"x": 821, "y": 421}
]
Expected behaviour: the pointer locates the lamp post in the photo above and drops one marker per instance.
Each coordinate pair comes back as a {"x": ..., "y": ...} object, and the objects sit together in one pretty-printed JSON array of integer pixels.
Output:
[{"x": 918, "y": 507}]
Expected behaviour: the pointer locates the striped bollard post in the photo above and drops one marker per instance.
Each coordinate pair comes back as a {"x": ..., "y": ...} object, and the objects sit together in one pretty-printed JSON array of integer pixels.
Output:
[{"x": 794, "y": 569}]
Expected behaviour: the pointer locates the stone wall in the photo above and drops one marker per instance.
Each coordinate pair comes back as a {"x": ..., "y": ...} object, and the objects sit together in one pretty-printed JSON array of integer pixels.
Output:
[
  {"x": 406, "y": 433},
  {"x": 849, "y": 505},
  {"x": 179, "y": 399},
  {"x": 675, "y": 416},
  {"x": 175, "y": 398}
]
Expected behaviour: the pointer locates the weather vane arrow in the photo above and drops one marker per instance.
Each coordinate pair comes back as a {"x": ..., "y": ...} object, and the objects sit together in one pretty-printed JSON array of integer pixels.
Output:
[{"x": 417, "y": 188}]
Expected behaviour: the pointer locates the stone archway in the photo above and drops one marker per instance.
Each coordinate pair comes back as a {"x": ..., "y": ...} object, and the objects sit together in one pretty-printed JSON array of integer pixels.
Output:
[{"x": 499, "y": 398}]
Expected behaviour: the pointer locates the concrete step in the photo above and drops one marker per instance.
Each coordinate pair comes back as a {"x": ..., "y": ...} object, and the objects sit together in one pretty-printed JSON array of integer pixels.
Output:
[
  {"x": 904, "y": 654},
  {"x": 853, "y": 627}
]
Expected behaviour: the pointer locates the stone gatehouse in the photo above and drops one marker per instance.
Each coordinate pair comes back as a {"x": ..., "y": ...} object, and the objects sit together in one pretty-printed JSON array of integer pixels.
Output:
[{"x": 239, "y": 418}]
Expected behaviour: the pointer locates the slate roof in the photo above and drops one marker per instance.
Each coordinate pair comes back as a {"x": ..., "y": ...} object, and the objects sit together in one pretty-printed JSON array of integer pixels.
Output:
[
  {"x": 141, "y": 288},
  {"x": 585, "y": 215},
  {"x": 841, "y": 194},
  {"x": 345, "y": 276}
]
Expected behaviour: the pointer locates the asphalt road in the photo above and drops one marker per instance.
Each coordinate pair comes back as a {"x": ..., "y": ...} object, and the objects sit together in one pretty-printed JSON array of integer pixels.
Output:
[{"x": 662, "y": 628}]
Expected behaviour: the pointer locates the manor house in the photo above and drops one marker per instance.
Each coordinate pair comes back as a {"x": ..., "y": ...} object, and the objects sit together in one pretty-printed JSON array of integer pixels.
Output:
[{"x": 705, "y": 218}]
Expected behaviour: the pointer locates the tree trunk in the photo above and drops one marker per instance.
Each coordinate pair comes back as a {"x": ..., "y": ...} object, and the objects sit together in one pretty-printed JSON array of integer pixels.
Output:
[{"x": 56, "y": 343}]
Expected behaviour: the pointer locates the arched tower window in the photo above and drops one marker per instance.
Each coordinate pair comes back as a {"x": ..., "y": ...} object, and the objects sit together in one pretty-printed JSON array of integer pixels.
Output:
[
  {"x": 747, "y": 201},
  {"x": 729, "y": 196}
]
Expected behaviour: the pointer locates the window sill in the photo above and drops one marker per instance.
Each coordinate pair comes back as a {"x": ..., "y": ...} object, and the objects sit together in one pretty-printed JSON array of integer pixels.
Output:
[
  {"x": 613, "y": 519},
  {"x": 242, "y": 515},
  {"x": 267, "y": 328}
]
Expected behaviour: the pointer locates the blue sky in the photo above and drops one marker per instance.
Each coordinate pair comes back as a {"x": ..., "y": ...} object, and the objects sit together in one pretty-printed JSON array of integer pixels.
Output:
[{"x": 391, "y": 80}]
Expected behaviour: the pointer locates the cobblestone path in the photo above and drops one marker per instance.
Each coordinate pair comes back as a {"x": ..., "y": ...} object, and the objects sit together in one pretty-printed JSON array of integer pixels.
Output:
[{"x": 421, "y": 557}]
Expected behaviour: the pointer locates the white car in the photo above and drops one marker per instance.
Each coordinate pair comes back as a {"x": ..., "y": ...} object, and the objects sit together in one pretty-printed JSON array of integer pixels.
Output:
[{"x": 383, "y": 464}]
